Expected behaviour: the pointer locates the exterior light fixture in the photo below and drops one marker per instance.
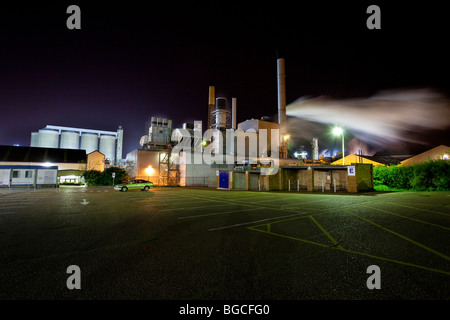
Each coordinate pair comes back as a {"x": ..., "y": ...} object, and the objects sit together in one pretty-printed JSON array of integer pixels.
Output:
[
  {"x": 149, "y": 171},
  {"x": 337, "y": 131}
]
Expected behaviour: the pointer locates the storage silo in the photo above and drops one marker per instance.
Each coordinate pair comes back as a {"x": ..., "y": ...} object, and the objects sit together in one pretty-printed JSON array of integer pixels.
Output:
[
  {"x": 89, "y": 142},
  {"x": 70, "y": 140},
  {"x": 48, "y": 138},
  {"x": 108, "y": 147},
  {"x": 34, "y": 139}
]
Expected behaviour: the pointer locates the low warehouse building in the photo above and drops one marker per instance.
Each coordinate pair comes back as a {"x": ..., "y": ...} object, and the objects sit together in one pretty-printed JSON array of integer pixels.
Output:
[
  {"x": 357, "y": 177},
  {"x": 68, "y": 163},
  {"x": 22, "y": 175}
]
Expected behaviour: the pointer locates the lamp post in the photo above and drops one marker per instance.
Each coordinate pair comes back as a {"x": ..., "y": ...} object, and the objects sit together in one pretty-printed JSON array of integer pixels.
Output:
[{"x": 339, "y": 131}]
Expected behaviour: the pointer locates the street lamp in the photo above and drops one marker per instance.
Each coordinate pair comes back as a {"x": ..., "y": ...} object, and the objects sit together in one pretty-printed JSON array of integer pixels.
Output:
[{"x": 339, "y": 131}]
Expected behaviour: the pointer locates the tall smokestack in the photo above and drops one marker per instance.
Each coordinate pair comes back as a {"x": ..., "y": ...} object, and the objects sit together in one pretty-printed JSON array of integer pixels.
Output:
[
  {"x": 281, "y": 82},
  {"x": 211, "y": 104},
  {"x": 233, "y": 113}
]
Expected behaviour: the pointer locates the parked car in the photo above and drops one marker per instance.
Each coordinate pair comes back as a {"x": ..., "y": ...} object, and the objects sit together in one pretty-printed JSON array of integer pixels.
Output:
[{"x": 136, "y": 184}]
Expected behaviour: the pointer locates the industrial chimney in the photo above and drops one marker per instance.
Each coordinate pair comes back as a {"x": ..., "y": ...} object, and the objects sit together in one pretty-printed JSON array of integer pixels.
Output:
[
  {"x": 281, "y": 82},
  {"x": 211, "y": 104}
]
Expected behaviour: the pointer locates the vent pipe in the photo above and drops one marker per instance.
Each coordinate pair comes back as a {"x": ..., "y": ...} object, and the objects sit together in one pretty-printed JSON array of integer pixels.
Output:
[{"x": 233, "y": 113}]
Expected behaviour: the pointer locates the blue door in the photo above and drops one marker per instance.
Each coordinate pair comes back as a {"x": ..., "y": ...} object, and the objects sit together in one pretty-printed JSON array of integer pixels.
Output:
[{"x": 223, "y": 179}]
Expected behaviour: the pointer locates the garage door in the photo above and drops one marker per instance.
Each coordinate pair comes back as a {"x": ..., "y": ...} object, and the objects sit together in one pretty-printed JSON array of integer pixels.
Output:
[{"x": 254, "y": 182}]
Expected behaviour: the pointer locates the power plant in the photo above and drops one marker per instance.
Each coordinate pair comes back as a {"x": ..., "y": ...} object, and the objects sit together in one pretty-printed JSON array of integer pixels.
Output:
[
  {"x": 237, "y": 148},
  {"x": 110, "y": 143}
]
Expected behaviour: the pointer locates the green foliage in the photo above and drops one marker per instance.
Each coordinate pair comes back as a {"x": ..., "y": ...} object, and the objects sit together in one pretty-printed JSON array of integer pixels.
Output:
[
  {"x": 97, "y": 178},
  {"x": 433, "y": 175}
]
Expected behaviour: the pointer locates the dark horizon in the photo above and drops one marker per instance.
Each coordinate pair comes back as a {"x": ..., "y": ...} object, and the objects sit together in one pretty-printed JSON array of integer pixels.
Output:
[{"x": 134, "y": 61}]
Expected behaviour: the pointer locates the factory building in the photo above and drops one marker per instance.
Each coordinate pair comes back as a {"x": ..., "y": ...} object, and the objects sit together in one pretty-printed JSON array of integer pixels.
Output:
[
  {"x": 234, "y": 167},
  {"x": 109, "y": 143},
  {"x": 154, "y": 161}
]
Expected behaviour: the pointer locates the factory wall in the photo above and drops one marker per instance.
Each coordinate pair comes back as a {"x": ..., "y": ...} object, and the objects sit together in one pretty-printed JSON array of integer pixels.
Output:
[
  {"x": 199, "y": 174},
  {"x": 141, "y": 160},
  {"x": 96, "y": 161}
]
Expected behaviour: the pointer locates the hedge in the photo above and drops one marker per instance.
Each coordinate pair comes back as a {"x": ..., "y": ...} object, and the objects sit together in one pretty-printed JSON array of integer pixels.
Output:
[
  {"x": 433, "y": 175},
  {"x": 97, "y": 178}
]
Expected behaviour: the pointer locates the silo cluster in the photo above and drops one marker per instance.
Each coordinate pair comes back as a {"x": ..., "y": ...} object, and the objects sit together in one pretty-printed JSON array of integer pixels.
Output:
[{"x": 109, "y": 143}]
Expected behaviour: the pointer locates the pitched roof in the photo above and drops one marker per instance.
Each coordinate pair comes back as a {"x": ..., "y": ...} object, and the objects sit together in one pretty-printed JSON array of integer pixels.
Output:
[
  {"x": 384, "y": 160},
  {"x": 35, "y": 154},
  {"x": 388, "y": 161}
]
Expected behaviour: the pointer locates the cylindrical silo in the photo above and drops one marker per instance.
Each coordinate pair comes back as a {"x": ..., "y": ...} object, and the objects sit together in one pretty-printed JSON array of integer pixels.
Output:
[
  {"x": 108, "y": 147},
  {"x": 89, "y": 142},
  {"x": 70, "y": 140},
  {"x": 34, "y": 139},
  {"x": 48, "y": 138}
]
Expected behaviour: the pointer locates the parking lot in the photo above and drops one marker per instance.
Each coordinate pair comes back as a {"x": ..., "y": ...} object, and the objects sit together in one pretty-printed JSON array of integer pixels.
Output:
[{"x": 199, "y": 243}]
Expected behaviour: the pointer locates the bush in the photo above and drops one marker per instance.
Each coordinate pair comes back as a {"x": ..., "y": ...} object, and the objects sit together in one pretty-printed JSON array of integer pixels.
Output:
[
  {"x": 433, "y": 175},
  {"x": 97, "y": 178}
]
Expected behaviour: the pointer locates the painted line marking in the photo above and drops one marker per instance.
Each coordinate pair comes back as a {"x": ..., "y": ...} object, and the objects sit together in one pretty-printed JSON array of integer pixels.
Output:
[
  {"x": 216, "y": 213},
  {"x": 413, "y": 219},
  {"x": 402, "y": 236},
  {"x": 13, "y": 207},
  {"x": 326, "y": 233},
  {"x": 168, "y": 204},
  {"x": 401, "y": 205},
  {"x": 198, "y": 207},
  {"x": 289, "y": 217},
  {"x": 353, "y": 252},
  {"x": 301, "y": 203}
]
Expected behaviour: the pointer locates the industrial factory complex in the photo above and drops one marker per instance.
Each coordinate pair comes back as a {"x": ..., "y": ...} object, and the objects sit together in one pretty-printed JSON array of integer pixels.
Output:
[{"x": 250, "y": 155}]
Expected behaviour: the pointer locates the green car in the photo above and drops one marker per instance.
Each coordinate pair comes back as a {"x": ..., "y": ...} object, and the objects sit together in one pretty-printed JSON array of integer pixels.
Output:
[{"x": 136, "y": 184}]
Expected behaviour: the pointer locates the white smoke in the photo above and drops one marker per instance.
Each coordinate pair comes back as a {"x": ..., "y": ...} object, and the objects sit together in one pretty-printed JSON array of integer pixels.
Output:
[{"x": 389, "y": 116}]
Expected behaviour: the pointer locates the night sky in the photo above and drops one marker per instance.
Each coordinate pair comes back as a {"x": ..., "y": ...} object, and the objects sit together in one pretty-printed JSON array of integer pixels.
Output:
[{"x": 133, "y": 60}]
